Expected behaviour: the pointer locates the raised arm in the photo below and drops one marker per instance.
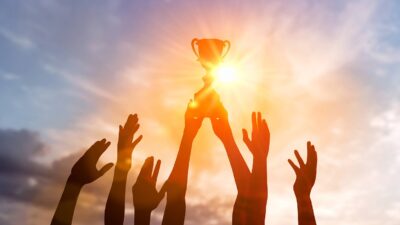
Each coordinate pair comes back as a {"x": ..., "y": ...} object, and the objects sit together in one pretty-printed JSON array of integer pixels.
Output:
[
  {"x": 145, "y": 195},
  {"x": 258, "y": 191},
  {"x": 115, "y": 206},
  {"x": 177, "y": 182},
  {"x": 239, "y": 167},
  {"x": 305, "y": 178},
  {"x": 83, "y": 172}
]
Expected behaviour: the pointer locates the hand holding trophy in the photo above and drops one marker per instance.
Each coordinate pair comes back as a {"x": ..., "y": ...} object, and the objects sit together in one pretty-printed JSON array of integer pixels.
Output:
[{"x": 210, "y": 55}]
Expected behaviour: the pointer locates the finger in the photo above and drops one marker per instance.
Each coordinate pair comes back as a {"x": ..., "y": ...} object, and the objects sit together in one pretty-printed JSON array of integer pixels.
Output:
[
  {"x": 99, "y": 148},
  {"x": 105, "y": 168},
  {"x": 309, "y": 152},
  {"x": 246, "y": 139},
  {"x": 147, "y": 167},
  {"x": 137, "y": 141},
  {"x": 313, "y": 158},
  {"x": 265, "y": 127},
  {"x": 156, "y": 171},
  {"x": 295, "y": 168},
  {"x": 98, "y": 143},
  {"x": 259, "y": 120},
  {"x": 132, "y": 121},
  {"x": 253, "y": 122},
  {"x": 135, "y": 128},
  {"x": 299, "y": 159}
]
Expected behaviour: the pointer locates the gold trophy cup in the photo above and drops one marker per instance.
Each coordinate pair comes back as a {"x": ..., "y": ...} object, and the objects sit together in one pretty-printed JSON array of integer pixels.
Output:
[{"x": 210, "y": 55}]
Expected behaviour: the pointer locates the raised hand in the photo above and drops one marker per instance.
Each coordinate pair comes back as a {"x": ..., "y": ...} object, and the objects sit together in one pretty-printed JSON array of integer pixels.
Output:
[
  {"x": 192, "y": 120},
  {"x": 83, "y": 172},
  {"x": 260, "y": 136},
  {"x": 306, "y": 172},
  {"x": 115, "y": 206},
  {"x": 220, "y": 124},
  {"x": 145, "y": 195},
  {"x": 257, "y": 193},
  {"x": 305, "y": 178},
  {"x": 126, "y": 143}
]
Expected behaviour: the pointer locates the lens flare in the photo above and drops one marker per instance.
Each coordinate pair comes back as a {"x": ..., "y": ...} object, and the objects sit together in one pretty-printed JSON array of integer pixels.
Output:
[{"x": 225, "y": 74}]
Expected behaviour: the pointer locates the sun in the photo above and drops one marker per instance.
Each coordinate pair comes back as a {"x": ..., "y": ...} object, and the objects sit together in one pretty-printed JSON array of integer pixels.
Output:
[{"x": 225, "y": 74}]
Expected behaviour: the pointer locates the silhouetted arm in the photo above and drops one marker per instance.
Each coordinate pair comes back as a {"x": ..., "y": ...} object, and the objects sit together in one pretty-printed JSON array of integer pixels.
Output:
[
  {"x": 83, "y": 172},
  {"x": 258, "y": 190},
  {"x": 223, "y": 131},
  {"x": 239, "y": 167},
  {"x": 145, "y": 195},
  {"x": 305, "y": 179},
  {"x": 177, "y": 182},
  {"x": 115, "y": 206}
]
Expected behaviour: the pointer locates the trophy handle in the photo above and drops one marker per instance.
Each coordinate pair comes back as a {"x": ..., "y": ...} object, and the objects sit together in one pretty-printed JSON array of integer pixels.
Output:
[
  {"x": 194, "y": 41},
  {"x": 226, "y": 42}
]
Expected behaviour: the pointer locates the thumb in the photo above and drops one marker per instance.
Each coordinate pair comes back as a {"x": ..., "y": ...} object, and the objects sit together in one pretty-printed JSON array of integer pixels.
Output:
[
  {"x": 105, "y": 168},
  {"x": 246, "y": 139}
]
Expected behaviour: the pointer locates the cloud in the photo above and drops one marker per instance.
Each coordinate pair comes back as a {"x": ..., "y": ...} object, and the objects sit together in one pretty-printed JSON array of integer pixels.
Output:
[
  {"x": 80, "y": 82},
  {"x": 21, "y": 41}
]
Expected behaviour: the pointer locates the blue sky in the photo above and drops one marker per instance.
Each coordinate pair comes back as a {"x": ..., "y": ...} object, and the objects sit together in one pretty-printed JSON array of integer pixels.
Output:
[{"x": 328, "y": 71}]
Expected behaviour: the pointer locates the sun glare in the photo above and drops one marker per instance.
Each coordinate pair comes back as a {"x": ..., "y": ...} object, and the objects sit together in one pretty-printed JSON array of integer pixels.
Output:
[{"x": 225, "y": 74}]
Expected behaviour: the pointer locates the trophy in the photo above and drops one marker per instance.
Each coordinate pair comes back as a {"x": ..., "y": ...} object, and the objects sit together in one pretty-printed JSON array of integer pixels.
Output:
[{"x": 210, "y": 55}]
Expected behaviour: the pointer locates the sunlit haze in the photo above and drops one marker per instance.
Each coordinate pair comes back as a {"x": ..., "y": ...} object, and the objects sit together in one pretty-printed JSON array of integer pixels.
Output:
[{"x": 325, "y": 71}]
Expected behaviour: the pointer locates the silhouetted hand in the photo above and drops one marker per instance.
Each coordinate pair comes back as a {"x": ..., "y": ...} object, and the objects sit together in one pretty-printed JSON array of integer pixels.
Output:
[
  {"x": 256, "y": 194},
  {"x": 305, "y": 179},
  {"x": 115, "y": 205},
  {"x": 306, "y": 173},
  {"x": 84, "y": 171},
  {"x": 145, "y": 195},
  {"x": 220, "y": 123},
  {"x": 260, "y": 136},
  {"x": 126, "y": 143},
  {"x": 192, "y": 121}
]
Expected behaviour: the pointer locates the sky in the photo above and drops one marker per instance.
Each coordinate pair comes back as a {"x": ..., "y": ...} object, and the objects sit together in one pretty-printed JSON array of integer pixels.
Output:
[{"x": 325, "y": 71}]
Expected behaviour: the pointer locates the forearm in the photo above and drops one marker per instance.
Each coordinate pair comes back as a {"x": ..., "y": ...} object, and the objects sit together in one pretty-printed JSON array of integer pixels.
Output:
[
  {"x": 259, "y": 177},
  {"x": 115, "y": 206},
  {"x": 180, "y": 170},
  {"x": 259, "y": 191},
  {"x": 175, "y": 208},
  {"x": 142, "y": 217},
  {"x": 305, "y": 211},
  {"x": 65, "y": 209},
  {"x": 240, "y": 170}
]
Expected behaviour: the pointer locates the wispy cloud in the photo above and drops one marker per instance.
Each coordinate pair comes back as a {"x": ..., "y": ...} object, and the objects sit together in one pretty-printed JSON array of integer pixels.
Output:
[
  {"x": 81, "y": 83},
  {"x": 19, "y": 40}
]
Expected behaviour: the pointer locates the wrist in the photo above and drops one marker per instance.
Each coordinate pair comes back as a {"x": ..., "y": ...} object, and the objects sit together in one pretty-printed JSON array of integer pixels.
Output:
[
  {"x": 123, "y": 165},
  {"x": 142, "y": 216},
  {"x": 188, "y": 135},
  {"x": 302, "y": 198},
  {"x": 121, "y": 170},
  {"x": 74, "y": 182}
]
